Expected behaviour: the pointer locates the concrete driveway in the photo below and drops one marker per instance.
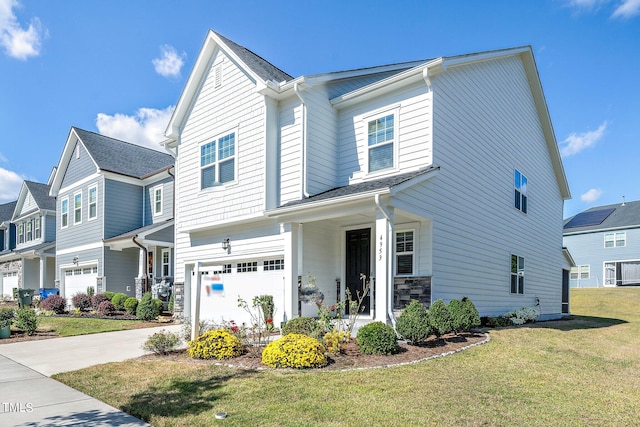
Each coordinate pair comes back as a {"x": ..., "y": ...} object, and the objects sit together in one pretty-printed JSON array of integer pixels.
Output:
[{"x": 28, "y": 397}]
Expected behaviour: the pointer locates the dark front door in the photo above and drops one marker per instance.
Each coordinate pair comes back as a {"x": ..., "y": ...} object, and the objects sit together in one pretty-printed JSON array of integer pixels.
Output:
[
  {"x": 358, "y": 264},
  {"x": 565, "y": 291}
]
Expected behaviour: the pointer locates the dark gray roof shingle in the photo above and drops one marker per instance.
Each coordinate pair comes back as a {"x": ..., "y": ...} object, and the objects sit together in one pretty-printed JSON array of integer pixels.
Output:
[
  {"x": 362, "y": 187},
  {"x": 40, "y": 193},
  {"x": 122, "y": 157},
  {"x": 260, "y": 66},
  {"x": 6, "y": 211},
  {"x": 627, "y": 215}
]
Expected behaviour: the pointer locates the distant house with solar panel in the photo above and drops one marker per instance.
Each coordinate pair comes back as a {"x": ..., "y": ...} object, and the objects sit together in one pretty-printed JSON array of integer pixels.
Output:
[{"x": 604, "y": 242}]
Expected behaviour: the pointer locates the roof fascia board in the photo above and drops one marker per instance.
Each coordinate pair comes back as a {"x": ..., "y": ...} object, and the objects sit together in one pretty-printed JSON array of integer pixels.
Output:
[
  {"x": 122, "y": 178},
  {"x": 211, "y": 44},
  {"x": 22, "y": 196},
  {"x": 601, "y": 230}
]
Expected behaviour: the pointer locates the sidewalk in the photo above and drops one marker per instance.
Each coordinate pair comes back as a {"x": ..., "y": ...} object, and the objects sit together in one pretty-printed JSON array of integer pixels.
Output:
[{"x": 29, "y": 398}]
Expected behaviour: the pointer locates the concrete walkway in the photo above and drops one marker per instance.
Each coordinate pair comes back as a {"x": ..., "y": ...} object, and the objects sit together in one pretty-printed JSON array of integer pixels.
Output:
[{"x": 28, "y": 397}]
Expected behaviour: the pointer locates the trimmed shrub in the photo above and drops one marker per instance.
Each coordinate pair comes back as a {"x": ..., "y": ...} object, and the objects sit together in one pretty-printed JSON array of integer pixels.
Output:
[
  {"x": 159, "y": 305},
  {"x": 81, "y": 301},
  {"x": 6, "y": 316},
  {"x": 440, "y": 318},
  {"x": 295, "y": 351},
  {"x": 522, "y": 315},
  {"x": 106, "y": 308},
  {"x": 162, "y": 342},
  {"x": 26, "y": 320},
  {"x": 131, "y": 305},
  {"x": 109, "y": 295},
  {"x": 97, "y": 299},
  {"x": 218, "y": 344},
  {"x": 377, "y": 338},
  {"x": 55, "y": 303},
  {"x": 300, "y": 325},
  {"x": 147, "y": 308},
  {"x": 118, "y": 300},
  {"x": 413, "y": 323},
  {"x": 464, "y": 315}
]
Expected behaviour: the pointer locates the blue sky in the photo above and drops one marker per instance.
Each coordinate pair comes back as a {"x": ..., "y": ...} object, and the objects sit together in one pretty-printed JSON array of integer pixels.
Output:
[{"x": 118, "y": 67}]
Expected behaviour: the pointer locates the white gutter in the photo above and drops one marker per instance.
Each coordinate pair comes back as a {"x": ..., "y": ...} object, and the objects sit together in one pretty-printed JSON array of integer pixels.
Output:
[
  {"x": 298, "y": 92},
  {"x": 390, "y": 229}
]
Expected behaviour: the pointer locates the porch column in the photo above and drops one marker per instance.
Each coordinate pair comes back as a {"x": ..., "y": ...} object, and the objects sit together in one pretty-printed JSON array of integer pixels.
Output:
[
  {"x": 43, "y": 270},
  {"x": 383, "y": 262},
  {"x": 141, "y": 264},
  {"x": 291, "y": 234}
]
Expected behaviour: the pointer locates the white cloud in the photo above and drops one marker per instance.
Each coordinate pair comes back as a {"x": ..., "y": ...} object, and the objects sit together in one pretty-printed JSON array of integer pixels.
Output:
[
  {"x": 146, "y": 127},
  {"x": 576, "y": 142},
  {"x": 627, "y": 9},
  {"x": 10, "y": 183},
  {"x": 170, "y": 63},
  {"x": 591, "y": 195},
  {"x": 18, "y": 42}
]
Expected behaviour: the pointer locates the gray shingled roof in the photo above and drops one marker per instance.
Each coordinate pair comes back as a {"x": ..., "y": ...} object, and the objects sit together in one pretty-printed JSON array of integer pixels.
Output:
[
  {"x": 627, "y": 215},
  {"x": 138, "y": 231},
  {"x": 259, "y": 65},
  {"x": 122, "y": 157},
  {"x": 40, "y": 193},
  {"x": 6, "y": 211},
  {"x": 362, "y": 187}
]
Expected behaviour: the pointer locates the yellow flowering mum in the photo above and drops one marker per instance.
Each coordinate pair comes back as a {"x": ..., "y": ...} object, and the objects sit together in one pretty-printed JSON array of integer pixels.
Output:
[
  {"x": 295, "y": 351},
  {"x": 218, "y": 344}
]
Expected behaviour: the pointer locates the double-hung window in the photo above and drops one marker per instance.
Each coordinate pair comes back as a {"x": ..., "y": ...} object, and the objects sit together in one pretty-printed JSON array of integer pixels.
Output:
[
  {"x": 580, "y": 272},
  {"x": 64, "y": 213},
  {"x": 29, "y": 231},
  {"x": 93, "y": 202},
  {"x": 37, "y": 229},
  {"x": 517, "y": 274},
  {"x": 21, "y": 233},
  {"x": 77, "y": 208},
  {"x": 166, "y": 253},
  {"x": 404, "y": 253},
  {"x": 520, "y": 191},
  {"x": 217, "y": 161},
  {"x": 157, "y": 200},
  {"x": 615, "y": 240},
  {"x": 380, "y": 142}
]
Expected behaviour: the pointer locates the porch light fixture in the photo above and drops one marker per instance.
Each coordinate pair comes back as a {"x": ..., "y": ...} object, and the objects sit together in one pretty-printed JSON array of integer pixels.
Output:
[
  {"x": 75, "y": 260},
  {"x": 225, "y": 244}
]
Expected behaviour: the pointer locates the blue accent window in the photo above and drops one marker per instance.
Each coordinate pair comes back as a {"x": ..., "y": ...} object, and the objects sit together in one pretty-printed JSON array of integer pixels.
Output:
[
  {"x": 380, "y": 138},
  {"x": 217, "y": 161}
]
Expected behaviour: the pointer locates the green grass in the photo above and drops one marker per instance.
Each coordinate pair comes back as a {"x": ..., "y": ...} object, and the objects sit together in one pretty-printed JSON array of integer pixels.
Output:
[
  {"x": 70, "y": 326},
  {"x": 579, "y": 372}
]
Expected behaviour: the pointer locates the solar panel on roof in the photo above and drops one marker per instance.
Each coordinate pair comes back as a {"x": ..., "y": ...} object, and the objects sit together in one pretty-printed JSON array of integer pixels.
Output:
[{"x": 588, "y": 218}]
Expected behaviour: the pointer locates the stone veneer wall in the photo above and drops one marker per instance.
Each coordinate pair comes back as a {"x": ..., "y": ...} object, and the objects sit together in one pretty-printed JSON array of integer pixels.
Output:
[
  {"x": 178, "y": 300},
  {"x": 406, "y": 289}
]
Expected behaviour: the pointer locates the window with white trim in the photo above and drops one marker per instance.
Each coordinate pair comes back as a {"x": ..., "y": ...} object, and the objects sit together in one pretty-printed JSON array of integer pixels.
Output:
[
  {"x": 404, "y": 253},
  {"x": 246, "y": 267},
  {"x": 380, "y": 142},
  {"x": 217, "y": 161},
  {"x": 93, "y": 202},
  {"x": 29, "y": 233},
  {"x": 273, "y": 264},
  {"x": 166, "y": 258},
  {"x": 580, "y": 272},
  {"x": 615, "y": 240},
  {"x": 77, "y": 208},
  {"x": 520, "y": 191},
  {"x": 21, "y": 233},
  {"x": 37, "y": 229},
  {"x": 157, "y": 200},
  {"x": 517, "y": 274},
  {"x": 64, "y": 212}
]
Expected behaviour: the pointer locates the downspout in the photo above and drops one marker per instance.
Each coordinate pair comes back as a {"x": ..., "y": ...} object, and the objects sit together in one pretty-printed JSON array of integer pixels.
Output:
[
  {"x": 390, "y": 228},
  {"x": 298, "y": 92},
  {"x": 146, "y": 259}
]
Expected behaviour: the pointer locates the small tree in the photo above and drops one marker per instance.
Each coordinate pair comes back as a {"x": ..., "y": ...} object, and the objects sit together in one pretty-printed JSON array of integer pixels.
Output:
[
  {"x": 147, "y": 308},
  {"x": 413, "y": 323},
  {"x": 440, "y": 318}
]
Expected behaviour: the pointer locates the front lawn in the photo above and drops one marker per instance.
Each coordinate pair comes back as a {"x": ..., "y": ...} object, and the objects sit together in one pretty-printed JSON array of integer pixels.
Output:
[{"x": 579, "y": 372}]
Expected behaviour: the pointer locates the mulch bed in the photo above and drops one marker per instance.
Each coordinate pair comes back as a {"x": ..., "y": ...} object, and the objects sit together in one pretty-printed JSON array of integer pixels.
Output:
[{"x": 350, "y": 358}]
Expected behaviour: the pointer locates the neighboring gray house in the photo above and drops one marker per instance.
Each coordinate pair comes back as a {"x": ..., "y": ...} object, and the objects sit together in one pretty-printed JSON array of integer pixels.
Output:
[
  {"x": 28, "y": 259},
  {"x": 604, "y": 242},
  {"x": 432, "y": 179},
  {"x": 114, "y": 215}
]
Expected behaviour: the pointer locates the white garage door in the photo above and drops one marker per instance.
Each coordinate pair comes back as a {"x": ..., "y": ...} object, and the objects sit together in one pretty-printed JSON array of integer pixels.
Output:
[
  {"x": 9, "y": 281},
  {"x": 77, "y": 280}
]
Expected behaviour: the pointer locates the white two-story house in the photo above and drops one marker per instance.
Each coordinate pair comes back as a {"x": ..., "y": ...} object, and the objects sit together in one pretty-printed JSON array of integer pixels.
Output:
[{"x": 430, "y": 179}]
